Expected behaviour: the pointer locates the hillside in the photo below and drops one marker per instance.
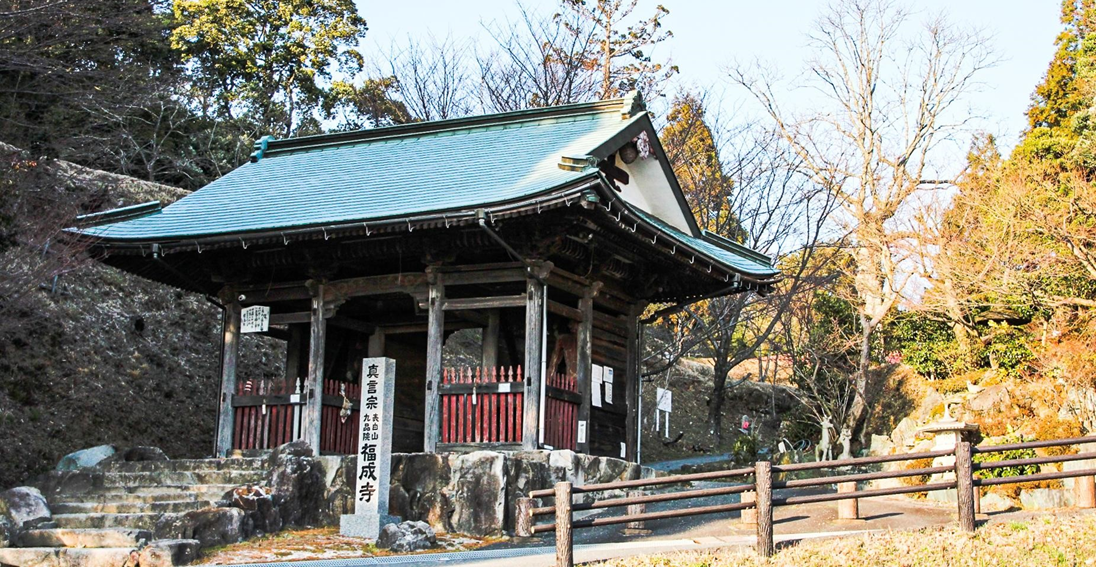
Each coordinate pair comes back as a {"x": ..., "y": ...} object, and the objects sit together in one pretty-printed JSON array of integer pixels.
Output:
[{"x": 104, "y": 357}]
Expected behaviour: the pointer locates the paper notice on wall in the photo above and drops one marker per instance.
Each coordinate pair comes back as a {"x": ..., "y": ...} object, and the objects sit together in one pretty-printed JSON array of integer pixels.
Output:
[
  {"x": 597, "y": 378},
  {"x": 607, "y": 378},
  {"x": 664, "y": 400},
  {"x": 623, "y": 451},
  {"x": 582, "y": 431}
]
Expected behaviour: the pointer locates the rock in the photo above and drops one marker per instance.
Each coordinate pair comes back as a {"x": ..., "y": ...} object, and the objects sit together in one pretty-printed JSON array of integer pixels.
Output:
[
  {"x": 904, "y": 433},
  {"x": 138, "y": 454},
  {"x": 6, "y": 532},
  {"x": 259, "y": 506},
  {"x": 407, "y": 536},
  {"x": 85, "y": 458},
  {"x": 210, "y": 526},
  {"x": 930, "y": 402},
  {"x": 989, "y": 398},
  {"x": 24, "y": 507},
  {"x": 339, "y": 486},
  {"x": 478, "y": 492},
  {"x": 881, "y": 445},
  {"x": 424, "y": 477},
  {"x": 1040, "y": 498},
  {"x": 993, "y": 502},
  {"x": 169, "y": 552},
  {"x": 296, "y": 482}
]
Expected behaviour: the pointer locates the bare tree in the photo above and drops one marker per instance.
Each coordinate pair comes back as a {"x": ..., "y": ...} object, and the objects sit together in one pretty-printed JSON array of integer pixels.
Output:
[
  {"x": 886, "y": 104},
  {"x": 433, "y": 79}
]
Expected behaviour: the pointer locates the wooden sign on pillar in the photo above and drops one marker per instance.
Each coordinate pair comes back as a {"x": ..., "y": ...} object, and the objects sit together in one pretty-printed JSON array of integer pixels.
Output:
[{"x": 374, "y": 451}]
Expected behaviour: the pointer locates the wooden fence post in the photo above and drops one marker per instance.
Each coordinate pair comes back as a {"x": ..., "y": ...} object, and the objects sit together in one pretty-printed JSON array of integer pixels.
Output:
[
  {"x": 847, "y": 509},
  {"x": 636, "y": 528},
  {"x": 564, "y": 537},
  {"x": 1084, "y": 491},
  {"x": 964, "y": 485},
  {"x": 523, "y": 517},
  {"x": 763, "y": 478},
  {"x": 749, "y": 515}
]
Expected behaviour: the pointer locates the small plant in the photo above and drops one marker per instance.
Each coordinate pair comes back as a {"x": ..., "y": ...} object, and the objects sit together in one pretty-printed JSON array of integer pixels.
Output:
[{"x": 1006, "y": 472}]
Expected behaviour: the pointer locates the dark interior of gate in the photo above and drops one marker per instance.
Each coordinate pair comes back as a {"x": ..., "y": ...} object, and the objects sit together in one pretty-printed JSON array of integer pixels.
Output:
[{"x": 481, "y": 395}]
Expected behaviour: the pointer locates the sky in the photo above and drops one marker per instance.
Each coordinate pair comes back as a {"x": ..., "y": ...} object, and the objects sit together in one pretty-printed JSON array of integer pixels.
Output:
[{"x": 709, "y": 35}]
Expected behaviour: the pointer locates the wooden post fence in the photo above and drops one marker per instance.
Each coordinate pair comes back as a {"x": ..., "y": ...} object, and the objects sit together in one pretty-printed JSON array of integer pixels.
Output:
[
  {"x": 847, "y": 509},
  {"x": 964, "y": 485},
  {"x": 564, "y": 538},
  {"x": 763, "y": 478}
]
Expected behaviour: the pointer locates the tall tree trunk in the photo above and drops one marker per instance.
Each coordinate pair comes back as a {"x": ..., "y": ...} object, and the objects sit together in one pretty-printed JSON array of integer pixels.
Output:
[{"x": 715, "y": 402}]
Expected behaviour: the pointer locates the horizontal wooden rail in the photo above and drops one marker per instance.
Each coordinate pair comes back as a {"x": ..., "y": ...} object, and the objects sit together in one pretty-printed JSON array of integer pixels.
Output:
[
  {"x": 1033, "y": 477},
  {"x": 835, "y": 496},
  {"x": 861, "y": 477},
  {"x": 794, "y": 467},
  {"x": 1034, "y": 444},
  {"x": 1033, "y": 461},
  {"x": 640, "y": 483},
  {"x": 650, "y": 499},
  {"x": 665, "y": 514}
]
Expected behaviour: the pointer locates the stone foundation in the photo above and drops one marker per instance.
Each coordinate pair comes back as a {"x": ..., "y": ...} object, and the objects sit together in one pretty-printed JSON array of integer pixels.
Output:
[{"x": 472, "y": 493}]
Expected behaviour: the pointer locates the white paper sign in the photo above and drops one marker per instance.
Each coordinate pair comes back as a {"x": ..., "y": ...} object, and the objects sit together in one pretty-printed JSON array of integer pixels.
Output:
[
  {"x": 581, "y": 431},
  {"x": 664, "y": 400},
  {"x": 608, "y": 391},
  {"x": 596, "y": 380},
  {"x": 255, "y": 319},
  {"x": 623, "y": 452}
]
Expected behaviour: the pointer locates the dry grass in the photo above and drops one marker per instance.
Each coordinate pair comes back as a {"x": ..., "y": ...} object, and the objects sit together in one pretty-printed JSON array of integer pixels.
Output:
[
  {"x": 1049, "y": 540},
  {"x": 321, "y": 543}
]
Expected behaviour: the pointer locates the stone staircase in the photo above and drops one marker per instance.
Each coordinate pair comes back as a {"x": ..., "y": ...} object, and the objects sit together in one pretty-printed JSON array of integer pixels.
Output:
[{"x": 100, "y": 514}]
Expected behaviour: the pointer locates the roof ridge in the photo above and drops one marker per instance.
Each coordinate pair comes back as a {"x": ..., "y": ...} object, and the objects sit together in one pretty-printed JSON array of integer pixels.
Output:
[{"x": 287, "y": 145}]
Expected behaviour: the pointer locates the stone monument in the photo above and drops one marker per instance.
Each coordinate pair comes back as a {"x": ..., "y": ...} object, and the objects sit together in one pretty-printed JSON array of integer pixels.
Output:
[{"x": 374, "y": 451}]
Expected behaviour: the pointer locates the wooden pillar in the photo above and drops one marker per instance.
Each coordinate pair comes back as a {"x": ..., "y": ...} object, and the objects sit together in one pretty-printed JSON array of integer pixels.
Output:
[
  {"x": 313, "y": 386},
  {"x": 564, "y": 534},
  {"x": 491, "y": 340},
  {"x": 1084, "y": 491},
  {"x": 764, "y": 478},
  {"x": 632, "y": 385},
  {"x": 847, "y": 509},
  {"x": 534, "y": 331},
  {"x": 585, "y": 368},
  {"x": 964, "y": 486},
  {"x": 523, "y": 517},
  {"x": 230, "y": 354},
  {"x": 435, "y": 340}
]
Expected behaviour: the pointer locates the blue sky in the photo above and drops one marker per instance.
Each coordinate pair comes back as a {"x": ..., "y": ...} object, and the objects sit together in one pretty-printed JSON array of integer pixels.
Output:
[{"x": 708, "y": 35}]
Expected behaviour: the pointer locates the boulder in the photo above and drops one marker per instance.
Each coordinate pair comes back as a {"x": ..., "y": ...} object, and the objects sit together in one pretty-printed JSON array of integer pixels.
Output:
[
  {"x": 296, "y": 482},
  {"x": 6, "y": 532},
  {"x": 24, "y": 507},
  {"x": 169, "y": 553},
  {"x": 138, "y": 454},
  {"x": 210, "y": 526},
  {"x": 259, "y": 506},
  {"x": 424, "y": 477},
  {"x": 990, "y": 398},
  {"x": 905, "y": 433},
  {"x": 407, "y": 536},
  {"x": 880, "y": 445},
  {"x": 478, "y": 492},
  {"x": 993, "y": 502},
  {"x": 339, "y": 486},
  {"x": 1042, "y": 498},
  {"x": 85, "y": 458}
]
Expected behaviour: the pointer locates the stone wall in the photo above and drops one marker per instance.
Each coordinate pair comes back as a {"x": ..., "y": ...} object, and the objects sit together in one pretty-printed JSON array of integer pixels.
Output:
[{"x": 472, "y": 493}]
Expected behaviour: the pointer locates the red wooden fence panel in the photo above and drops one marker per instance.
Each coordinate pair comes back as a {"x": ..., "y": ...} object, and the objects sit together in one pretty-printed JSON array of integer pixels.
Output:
[
  {"x": 482, "y": 417},
  {"x": 561, "y": 416}
]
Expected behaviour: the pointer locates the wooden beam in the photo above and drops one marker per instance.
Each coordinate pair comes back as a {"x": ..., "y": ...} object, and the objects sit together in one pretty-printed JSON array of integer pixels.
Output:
[
  {"x": 508, "y": 273},
  {"x": 230, "y": 355},
  {"x": 311, "y": 420},
  {"x": 534, "y": 329},
  {"x": 564, "y": 310},
  {"x": 585, "y": 368},
  {"x": 490, "y": 352},
  {"x": 496, "y": 302},
  {"x": 352, "y": 324},
  {"x": 350, "y": 287},
  {"x": 435, "y": 339}
]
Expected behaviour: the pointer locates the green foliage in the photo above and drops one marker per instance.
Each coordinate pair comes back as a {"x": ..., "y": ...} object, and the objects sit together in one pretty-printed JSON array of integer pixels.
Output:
[
  {"x": 927, "y": 345},
  {"x": 1006, "y": 472},
  {"x": 744, "y": 449},
  {"x": 268, "y": 65},
  {"x": 1008, "y": 348}
]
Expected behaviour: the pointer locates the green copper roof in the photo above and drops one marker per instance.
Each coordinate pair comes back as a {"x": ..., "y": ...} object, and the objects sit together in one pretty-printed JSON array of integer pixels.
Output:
[{"x": 385, "y": 173}]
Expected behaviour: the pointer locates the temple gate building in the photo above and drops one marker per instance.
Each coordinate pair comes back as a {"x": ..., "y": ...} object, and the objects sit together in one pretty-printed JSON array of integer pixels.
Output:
[{"x": 546, "y": 232}]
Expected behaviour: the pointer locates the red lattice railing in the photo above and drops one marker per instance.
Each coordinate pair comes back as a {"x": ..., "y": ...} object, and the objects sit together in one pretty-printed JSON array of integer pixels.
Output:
[
  {"x": 561, "y": 414},
  {"x": 481, "y": 405}
]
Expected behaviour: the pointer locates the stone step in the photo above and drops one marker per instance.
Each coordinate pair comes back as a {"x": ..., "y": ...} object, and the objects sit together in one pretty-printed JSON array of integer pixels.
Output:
[
  {"x": 162, "y": 552},
  {"x": 156, "y": 479},
  {"x": 94, "y": 521},
  {"x": 187, "y": 465},
  {"x": 131, "y": 507},
  {"x": 146, "y": 493},
  {"x": 103, "y": 537}
]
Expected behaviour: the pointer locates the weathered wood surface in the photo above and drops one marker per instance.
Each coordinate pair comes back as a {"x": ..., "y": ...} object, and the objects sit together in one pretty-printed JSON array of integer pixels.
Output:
[
  {"x": 230, "y": 354},
  {"x": 964, "y": 486},
  {"x": 763, "y": 479},
  {"x": 435, "y": 340},
  {"x": 584, "y": 366},
  {"x": 564, "y": 534},
  {"x": 313, "y": 409},
  {"x": 631, "y": 395},
  {"x": 534, "y": 329}
]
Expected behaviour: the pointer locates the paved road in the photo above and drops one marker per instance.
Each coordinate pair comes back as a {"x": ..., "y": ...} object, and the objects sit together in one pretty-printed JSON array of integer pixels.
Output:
[{"x": 677, "y": 464}]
